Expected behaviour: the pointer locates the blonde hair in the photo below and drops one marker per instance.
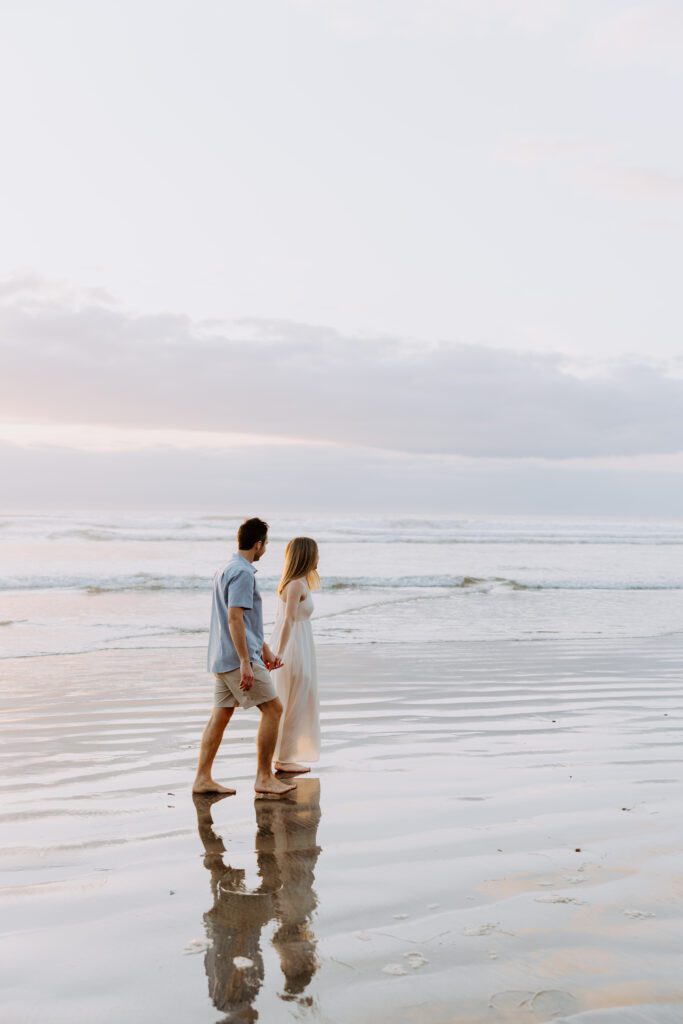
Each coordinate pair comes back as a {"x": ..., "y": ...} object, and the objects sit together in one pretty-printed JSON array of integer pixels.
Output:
[{"x": 301, "y": 556}]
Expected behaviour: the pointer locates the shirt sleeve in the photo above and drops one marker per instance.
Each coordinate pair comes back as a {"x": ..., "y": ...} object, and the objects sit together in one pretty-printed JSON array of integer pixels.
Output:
[{"x": 240, "y": 592}]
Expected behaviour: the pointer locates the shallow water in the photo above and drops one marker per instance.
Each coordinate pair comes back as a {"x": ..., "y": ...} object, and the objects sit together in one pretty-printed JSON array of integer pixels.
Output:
[
  {"x": 493, "y": 836},
  {"x": 74, "y": 583}
]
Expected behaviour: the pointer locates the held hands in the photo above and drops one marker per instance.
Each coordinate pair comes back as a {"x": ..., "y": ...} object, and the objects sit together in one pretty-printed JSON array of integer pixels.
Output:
[
  {"x": 246, "y": 676},
  {"x": 272, "y": 661}
]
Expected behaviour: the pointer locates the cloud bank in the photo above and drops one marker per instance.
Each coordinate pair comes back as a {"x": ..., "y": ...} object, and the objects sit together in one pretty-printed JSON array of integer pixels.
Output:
[{"x": 78, "y": 357}]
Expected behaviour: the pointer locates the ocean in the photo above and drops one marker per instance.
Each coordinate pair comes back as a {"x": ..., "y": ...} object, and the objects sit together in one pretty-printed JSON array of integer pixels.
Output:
[
  {"x": 500, "y": 779},
  {"x": 72, "y": 583}
]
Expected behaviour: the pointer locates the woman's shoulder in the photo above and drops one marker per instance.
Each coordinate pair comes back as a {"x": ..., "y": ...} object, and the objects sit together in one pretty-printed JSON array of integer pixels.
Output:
[{"x": 297, "y": 586}]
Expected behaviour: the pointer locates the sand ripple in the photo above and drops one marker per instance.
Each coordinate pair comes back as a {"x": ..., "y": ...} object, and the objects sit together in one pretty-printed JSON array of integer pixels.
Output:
[{"x": 466, "y": 792}]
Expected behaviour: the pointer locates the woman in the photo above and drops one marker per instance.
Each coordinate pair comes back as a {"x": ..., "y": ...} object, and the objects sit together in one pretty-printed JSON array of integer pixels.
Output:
[{"x": 296, "y": 681}]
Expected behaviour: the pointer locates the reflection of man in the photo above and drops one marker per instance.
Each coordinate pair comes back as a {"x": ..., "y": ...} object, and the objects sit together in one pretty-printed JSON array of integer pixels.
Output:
[
  {"x": 233, "y": 925},
  {"x": 286, "y": 854}
]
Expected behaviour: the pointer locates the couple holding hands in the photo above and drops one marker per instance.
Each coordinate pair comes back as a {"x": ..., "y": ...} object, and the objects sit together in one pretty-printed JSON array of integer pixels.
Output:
[{"x": 242, "y": 662}]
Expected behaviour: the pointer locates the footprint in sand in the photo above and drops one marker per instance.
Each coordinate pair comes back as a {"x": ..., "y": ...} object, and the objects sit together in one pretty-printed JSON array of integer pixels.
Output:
[
  {"x": 397, "y": 969},
  {"x": 482, "y": 929},
  {"x": 550, "y": 1001},
  {"x": 415, "y": 959}
]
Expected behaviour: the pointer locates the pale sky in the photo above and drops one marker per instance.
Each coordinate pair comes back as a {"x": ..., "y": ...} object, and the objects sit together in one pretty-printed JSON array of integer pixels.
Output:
[{"x": 342, "y": 234}]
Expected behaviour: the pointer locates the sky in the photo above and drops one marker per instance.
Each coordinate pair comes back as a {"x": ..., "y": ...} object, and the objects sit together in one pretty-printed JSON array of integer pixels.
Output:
[{"x": 360, "y": 255}]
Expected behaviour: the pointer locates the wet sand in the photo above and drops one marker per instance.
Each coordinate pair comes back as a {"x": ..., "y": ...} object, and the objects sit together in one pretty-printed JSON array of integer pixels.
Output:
[{"x": 493, "y": 835}]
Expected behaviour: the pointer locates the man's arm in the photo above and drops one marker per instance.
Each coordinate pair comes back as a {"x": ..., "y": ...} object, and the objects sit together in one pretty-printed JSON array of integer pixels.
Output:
[
  {"x": 270, "y": 660},
  {"x": 239, "y": 639}
]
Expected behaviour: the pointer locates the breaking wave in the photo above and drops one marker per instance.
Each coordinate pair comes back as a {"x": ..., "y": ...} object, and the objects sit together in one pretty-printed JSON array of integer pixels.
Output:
[{"x": 151, "y": 582}]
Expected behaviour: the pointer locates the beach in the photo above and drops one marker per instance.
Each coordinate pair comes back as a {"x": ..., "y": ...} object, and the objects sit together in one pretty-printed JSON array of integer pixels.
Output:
[
  {"x": 493, "y": 834},
  {"x": 342, "y": 338}
]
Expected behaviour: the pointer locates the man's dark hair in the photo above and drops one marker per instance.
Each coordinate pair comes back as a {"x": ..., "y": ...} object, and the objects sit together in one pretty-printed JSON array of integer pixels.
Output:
[{"x": 251, "y": 532}]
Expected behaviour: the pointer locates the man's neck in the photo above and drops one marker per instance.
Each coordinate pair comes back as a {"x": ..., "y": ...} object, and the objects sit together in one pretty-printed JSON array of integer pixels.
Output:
[{"x": 249, "y": 555}]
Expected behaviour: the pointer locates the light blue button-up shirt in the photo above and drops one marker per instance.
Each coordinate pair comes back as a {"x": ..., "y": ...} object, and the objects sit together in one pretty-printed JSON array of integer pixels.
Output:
[{"x": 235, "y": 587}]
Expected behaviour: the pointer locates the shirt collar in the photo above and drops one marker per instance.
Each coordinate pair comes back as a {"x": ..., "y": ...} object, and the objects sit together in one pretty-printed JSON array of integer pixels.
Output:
[{"x": 250, "y": 565}]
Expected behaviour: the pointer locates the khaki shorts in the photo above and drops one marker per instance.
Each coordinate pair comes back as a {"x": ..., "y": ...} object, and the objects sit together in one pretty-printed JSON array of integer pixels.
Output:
[{"x": 227, "y": 693}]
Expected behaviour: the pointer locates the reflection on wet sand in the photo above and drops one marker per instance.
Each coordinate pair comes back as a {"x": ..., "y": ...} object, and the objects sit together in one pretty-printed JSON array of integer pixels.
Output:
[{"x": 286, "y": 854}]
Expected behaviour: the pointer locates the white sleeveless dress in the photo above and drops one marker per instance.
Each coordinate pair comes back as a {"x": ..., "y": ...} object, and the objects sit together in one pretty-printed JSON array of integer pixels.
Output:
[{"x": 297, "y": 687}]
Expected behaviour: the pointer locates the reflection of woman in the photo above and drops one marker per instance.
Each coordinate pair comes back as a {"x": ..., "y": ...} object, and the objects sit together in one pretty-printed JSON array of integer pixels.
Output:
[
  {"x": 286, "y": 843},
  {"x": 296, "y": 681},
  {"x": 286, "y": 853}
]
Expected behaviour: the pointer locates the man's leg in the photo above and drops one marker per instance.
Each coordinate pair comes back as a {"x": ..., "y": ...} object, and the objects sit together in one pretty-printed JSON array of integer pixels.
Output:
[
  {"x": 211, "y": 741},
  {"x": 266, "y": 739}
]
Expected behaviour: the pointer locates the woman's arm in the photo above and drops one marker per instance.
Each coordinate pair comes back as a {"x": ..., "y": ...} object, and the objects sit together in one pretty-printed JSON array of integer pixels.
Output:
[{"x": 294, "y": 592}]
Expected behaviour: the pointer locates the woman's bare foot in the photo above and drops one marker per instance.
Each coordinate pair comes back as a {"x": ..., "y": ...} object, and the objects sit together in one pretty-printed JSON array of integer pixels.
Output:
[
  {"x": 273, "y": 786},
  {"x": 291, "y": 767},
  {"x": 209, "y": 786}
]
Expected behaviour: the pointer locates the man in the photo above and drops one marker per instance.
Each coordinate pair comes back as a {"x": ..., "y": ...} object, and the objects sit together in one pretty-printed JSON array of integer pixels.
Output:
[{"x": 238, "y": 658}]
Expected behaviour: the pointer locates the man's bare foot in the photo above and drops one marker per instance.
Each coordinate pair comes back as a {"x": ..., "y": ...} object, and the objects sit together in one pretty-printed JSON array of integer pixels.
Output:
[
  {"x": 209, "y": 786},
  {"x": 273, "y": 786},
  {"x": 205, "y": 801},
  {"x": 291, "y": 767}
]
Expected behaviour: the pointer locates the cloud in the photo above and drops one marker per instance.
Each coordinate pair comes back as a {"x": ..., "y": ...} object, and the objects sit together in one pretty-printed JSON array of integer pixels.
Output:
[
  {"x": 642, "y": 181},
  {"x": 594, "y": 165},
  {"x": 69, "y": 357},
  {"x": 646, "y": 34},
  {"x": 93, "y": 437}
]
